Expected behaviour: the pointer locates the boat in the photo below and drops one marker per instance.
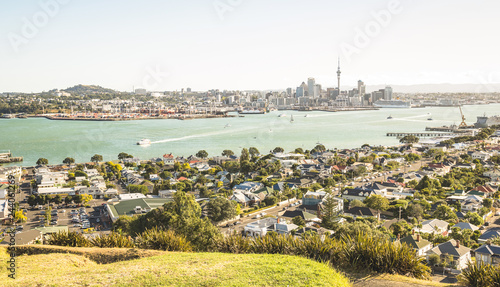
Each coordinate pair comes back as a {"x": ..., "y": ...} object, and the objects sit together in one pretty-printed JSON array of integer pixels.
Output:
[
  {"x": 392, "y": 104},
  {"x": 389, "y": 117},
  {"x": 282, "y": 115},
  {"x": 227, "y": 126},
  {"x": 306, "y": 116},
  {"x": 429, "y": 119},
  {"x": 144, "y": 142},
  {"x": 291, "y": 118},
  {"x": 251, "y": 112},
  {"x": 484, "y": 121}
]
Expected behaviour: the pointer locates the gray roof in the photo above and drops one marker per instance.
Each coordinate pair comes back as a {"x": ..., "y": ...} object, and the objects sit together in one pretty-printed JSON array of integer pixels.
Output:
[
  {"x": 466, "y": 225},
  {"x": 489, "y": 234},
  {"x": 488, "y": 249},
  {"x": 450, "y": 248}
]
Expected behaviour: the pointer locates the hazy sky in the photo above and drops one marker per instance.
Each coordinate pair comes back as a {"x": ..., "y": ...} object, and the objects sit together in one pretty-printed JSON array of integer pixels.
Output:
[{"x": 245, "y": 44}]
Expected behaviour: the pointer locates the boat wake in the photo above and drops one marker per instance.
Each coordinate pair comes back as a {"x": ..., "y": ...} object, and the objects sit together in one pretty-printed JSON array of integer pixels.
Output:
[{"x": 201, "y": 135}]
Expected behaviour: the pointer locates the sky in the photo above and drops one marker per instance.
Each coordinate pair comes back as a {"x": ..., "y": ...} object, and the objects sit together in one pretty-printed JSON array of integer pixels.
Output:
[{"x": 245, "y": 44}]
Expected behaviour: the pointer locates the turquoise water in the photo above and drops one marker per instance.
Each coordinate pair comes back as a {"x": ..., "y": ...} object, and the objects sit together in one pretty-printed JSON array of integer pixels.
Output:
[{"x": 37, "y": 137}]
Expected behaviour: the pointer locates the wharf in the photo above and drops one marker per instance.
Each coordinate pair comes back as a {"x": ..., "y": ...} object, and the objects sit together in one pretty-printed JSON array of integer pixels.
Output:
[
  {"x": 422, "y": 134},
  {"x": 6, "y": 157}
]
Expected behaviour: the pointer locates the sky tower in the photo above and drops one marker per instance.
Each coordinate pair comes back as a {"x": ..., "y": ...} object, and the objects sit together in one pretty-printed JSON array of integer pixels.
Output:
[{"x": 338, "y": 76}]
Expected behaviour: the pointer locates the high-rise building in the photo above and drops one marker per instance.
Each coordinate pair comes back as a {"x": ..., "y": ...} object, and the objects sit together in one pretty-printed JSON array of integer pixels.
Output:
[
  {"x": 317, "y": 91},
  {"x": 388, "y": 93},
  {"x": 289, "y": 92},
  {"x": 361, "y": 88},
  {"x": 299, "y": 92},
  {"x": 310, "y": 87}
]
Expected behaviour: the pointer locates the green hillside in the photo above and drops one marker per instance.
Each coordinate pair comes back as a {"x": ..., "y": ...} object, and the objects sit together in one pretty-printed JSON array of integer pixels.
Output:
[{"x": 172, "y": 269}]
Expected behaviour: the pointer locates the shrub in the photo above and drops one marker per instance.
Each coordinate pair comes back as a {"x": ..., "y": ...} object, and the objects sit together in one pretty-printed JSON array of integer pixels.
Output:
[
  {"x": 71, "y": 239},
  {"x": 112, "y": 240},
  {"x": 163, "y": 240},
  {"x": 234, "y": 243},
  {"x": 479, "y": 275}
]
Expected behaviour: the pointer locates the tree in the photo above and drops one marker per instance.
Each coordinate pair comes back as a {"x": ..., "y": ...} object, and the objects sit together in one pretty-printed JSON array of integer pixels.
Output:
[
  {"x": 444, "y": 212},
  {"x": 78, "y": 198},
  {"x": 96, "y": 158},
  {"x": 227, "y": 152},
  {"x": 124, "y": 155},
  {"x": 377, "y": 202},
  {"x": 202, "y": 154},
  {"x": 220, "y": 209},
  {"x": 415, "y": 210},
  {"x": 328, "y": 212},
  {"x": 401, "y": 228},
  {"x": 254, "y": 152},
  {"x": 86, "y": 198},
  {"x": 19, "y": 216},
  {"x": 31, "y": 200},
  {"x": 245, "y": 155},
  {"x": 356, "y": 203},
  {"x": 69, "y": 160},
  {"x": 487, "y": 202},
  {"x": 278, "y": 149},
  {"x": 42, "y": 161},
  {"x": 474, "y": 218},
  {"x": 299, "y": 221},
  {"x": 409, "y": 139},
  {"x": 68, "y": 199},
  {"x": 57, "y": 199}
]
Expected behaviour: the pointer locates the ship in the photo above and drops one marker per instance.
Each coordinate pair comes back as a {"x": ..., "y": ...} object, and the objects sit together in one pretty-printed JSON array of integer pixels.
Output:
[
  {"x": 389, "y": 117},
  {"x": 144, "y": 142},
  {"x": 392, "y": 104},
  {"x": 251, "y": 112},
  {"x": 484, "y": 121}
]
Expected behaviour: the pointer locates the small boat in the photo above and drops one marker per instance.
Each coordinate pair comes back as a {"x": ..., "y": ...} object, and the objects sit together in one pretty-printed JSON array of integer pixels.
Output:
[
  {"x": 282, "y": 115},
  {"x": 291, "y": 118},
  {"x": 429, "y": 119},
  {"x": 227, "y": 126},
  {"x": 144, "y": 142},
  {"x": 389, "y": 117},
  {"x": 306, "y": 116}
]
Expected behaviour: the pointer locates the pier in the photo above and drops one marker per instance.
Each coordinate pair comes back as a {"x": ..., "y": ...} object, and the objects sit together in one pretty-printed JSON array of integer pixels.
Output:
[
  {"x": 421, "y": 134},
  {"x": 6, "y": 157}
]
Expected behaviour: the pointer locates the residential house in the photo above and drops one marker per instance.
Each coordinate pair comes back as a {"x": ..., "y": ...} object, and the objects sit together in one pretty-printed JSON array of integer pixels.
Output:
[
  {"x": 460, "y": 254},
  {"x": 434, "y": 226},
  {"x": 313, "y": 197},
  {"x": 359, "y": 211},
  {"x": 260, "y": 227},
  {"x": 494, "y": 175},
  {"x": 465, "y": 225},
  {"x": 488, "y": 190},
  {"x": 168, "y": 159},
  {"x": 307, "y": 216},
  {"x": 488, "y": 235},
  {"x": 488, "y": 254},
  {"x": 357, "y": 193},
  {"x": 420, "y": 245},
  {"x": 169, "y": 193},
  {"x": 248, "y": 186},
  {"x": 282, "y": 227},
  {"x": 481, "y": 155}
]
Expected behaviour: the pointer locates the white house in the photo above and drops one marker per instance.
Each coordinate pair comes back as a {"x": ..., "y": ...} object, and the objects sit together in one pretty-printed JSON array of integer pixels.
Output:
[{"x": 460, "y": 254}]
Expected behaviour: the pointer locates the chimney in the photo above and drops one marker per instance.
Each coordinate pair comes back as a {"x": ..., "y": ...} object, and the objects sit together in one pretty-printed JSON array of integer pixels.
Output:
[
  {"x": 458, "y": 243},
  {"x": 413, "y": 232},
  {"x": 418, "y": 237},
  {"x": 399, "y": 236}
]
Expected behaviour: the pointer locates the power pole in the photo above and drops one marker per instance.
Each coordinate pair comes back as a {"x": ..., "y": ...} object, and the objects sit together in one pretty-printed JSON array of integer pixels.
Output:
[{"x": 400, "y": 213}]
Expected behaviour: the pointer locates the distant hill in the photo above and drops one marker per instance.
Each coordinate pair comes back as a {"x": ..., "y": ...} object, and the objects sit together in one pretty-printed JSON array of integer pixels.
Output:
[{"x": 89, "y": 89}]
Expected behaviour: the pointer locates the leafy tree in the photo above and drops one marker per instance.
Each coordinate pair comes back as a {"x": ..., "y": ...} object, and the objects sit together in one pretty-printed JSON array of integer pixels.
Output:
[
  {"x": 278, "y": 149},
  {"x": 299, "y": 150},
  {"x": 202, "y": 154},
  {"x": 57, "y": 199},
  {"x": 220, "y": 209},
  {"x": 81, "y": 173},
  {"x": 134, "y": 188},
  {"x": 415, "y": 210},
  {"x": 69, "y": 160},
  {"x": 96, "y": 158},
  {"x": 377, "y": 202},
  {"x": 19, "y": 216},
  {"x": 42, "y": 161},
  {"x": 254, "y": 152},
  {"x": 487, "y": 202},
  {"x": 124, "y": 155},
  {"x": 299, "y": 221},
  {"x": 356, "y": 203},
  {"x": 77, "y": 198},
  {"x": 270, "y": 200},
  {"x": 86, "y": 198},
  {"x": 68, "y": 199},
  {"x": 245, "y": 155},
  {"x": 474, "y": 218},
  {"x": 401, "y": 228},
  {"x": 227, "y": 152},
  {"x": 32, "y": 200},
  {"x": 444, "y": 212},
  {"x": 409, "y": 139}
]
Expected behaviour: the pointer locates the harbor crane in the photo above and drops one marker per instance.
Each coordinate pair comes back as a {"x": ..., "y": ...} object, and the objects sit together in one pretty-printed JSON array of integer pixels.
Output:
[{"x": 462, "y": 124}]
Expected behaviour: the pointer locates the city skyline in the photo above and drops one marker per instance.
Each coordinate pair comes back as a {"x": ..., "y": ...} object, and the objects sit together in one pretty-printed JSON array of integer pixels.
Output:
[{"x": 240, "y": 45}]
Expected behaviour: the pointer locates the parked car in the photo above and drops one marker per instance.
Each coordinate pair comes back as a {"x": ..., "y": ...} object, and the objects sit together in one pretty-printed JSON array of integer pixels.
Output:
[{"x": 77, "y": 225}]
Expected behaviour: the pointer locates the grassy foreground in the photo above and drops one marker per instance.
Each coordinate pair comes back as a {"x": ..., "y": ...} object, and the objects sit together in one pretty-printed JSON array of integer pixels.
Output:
[{"x": 171, "y": 269}]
